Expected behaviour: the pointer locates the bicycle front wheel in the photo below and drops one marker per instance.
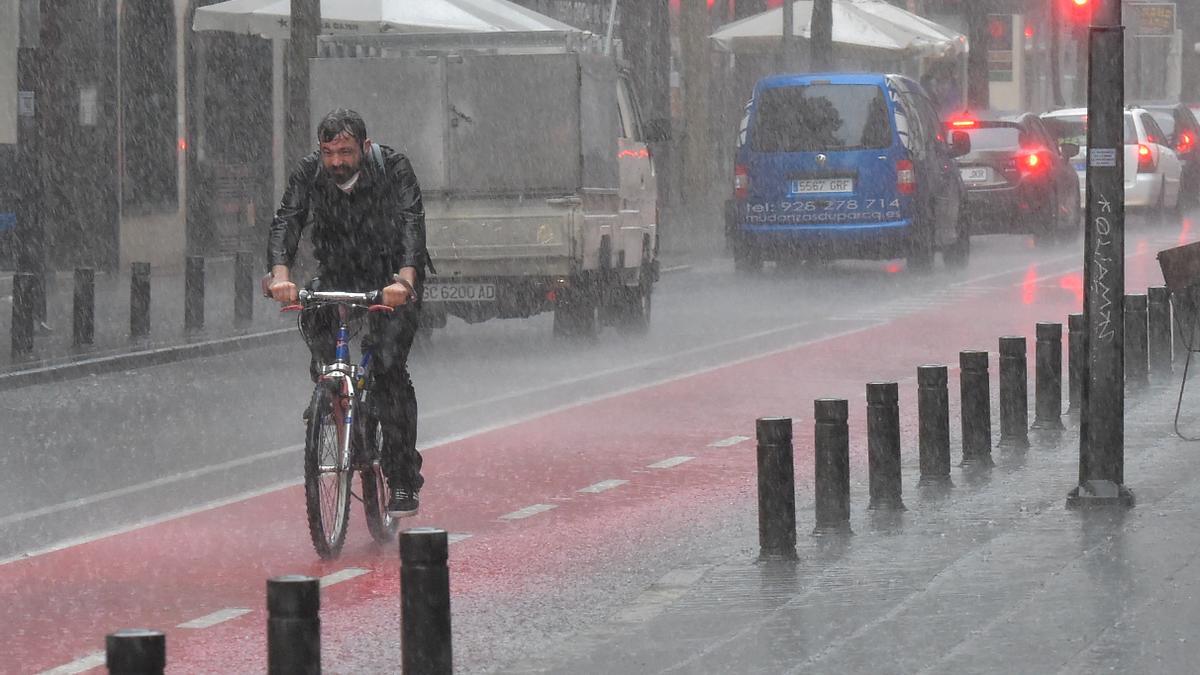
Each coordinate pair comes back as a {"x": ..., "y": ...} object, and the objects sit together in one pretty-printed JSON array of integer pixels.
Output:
[{"x": 326, "y": 477}]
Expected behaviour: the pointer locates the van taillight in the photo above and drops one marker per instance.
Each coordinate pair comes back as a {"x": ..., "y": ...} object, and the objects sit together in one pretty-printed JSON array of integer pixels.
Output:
[
  {"x": 906, "y": 177},
  {"x": 1145, "y": 159},
  {"x": 741, "y": 182}
]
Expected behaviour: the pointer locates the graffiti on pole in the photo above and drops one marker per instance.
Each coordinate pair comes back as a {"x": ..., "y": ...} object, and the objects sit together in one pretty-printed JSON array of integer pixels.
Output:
[{"x": 1102, "y": 261}]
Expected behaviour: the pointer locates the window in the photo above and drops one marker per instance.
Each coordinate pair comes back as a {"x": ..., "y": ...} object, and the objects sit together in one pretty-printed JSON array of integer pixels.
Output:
[
  {"x": 1154, "y": 133},
  {"x": 822, "y": 117}
]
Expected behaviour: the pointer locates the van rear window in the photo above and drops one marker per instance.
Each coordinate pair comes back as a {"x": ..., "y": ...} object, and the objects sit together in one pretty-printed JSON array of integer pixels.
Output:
[{"x": 821, "y": 117}]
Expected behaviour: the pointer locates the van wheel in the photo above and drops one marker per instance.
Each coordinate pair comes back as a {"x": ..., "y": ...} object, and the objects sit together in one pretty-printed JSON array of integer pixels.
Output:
[
  {"x": 574, "y": 315},
  {"x": 746, "y": 259}
]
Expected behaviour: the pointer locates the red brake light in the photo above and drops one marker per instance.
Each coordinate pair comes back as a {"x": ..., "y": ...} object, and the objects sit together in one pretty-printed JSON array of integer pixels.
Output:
[
  {"x": 906, "y": 177},
  {"x": 741, "y": 182},
  {"x": 1186, "y": 142},
  {"x": 964, "y": 124},
  {"x": 1032, "y": 161},
  {"x": 1145, "y": 159}
]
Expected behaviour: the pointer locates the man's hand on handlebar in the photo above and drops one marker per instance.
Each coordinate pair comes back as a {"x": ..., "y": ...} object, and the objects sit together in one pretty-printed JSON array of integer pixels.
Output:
[
  {"x": 401, "y": 291},
  {"x": 282, "y": 289}
]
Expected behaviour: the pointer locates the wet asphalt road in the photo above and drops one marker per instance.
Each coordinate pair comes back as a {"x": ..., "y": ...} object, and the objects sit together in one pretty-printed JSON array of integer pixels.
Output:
[{"x": 107, "y": 452}]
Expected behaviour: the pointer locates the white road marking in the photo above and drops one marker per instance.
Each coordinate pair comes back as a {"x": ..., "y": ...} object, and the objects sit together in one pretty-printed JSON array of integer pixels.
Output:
[
  {"x": 342, "y": 575},
  {"x": 668, "y": 463},
  {"x": 455, "y": 538},
  {"x": 210, "y": 620},
  {"x": 728, "y": 442},
  {"x": 93, "y": 660},
  {"x": 603, "y": 485},
  {"x": 528, "y": 511}
]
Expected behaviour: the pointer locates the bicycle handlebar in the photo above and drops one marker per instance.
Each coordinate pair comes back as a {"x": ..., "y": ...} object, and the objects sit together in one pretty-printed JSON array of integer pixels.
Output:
[{"x": 340, "y": 297}]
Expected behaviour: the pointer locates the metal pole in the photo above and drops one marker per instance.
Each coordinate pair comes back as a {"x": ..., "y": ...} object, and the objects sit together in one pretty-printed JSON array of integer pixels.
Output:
[
  {"x": 29, "y": 233},
  {"x": 425, "y": 602},
  {"x": 788, "y": 37},
  {"x": 135, "y": 651},
  {"x": 1048, "y": 377},
  {"x": 933, "y": 411},
  {"x": 976, "y": 409},
  {"x": 139, "y": 299},
  {"x": 608, "y": 34},
  {"x": 305, "y": 27},
  {"x": 1076, "y": 360},
  {"x": 1159, "y": 339},
  {"x": 1137, "y": 368},
  {"x": 23, "y": 300},
  {"x": 776, "y": 489},
  {"x": 883, "y": 445},
  {"x": 832, "y": 454},
  {"x": 820, "y": 30},
  {"x": 84, "y": 306},
  {"x": 193, "y": 293},
  {"x": 243, "y": 287},
  {"x": 293, "y": 625},
  {"x": 1014, "y": 393},
  {"x": 1102, "y": 437}
]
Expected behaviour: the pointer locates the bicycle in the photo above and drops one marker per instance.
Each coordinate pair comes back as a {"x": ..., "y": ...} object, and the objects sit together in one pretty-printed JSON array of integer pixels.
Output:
[{"x": 343, "y": 433}]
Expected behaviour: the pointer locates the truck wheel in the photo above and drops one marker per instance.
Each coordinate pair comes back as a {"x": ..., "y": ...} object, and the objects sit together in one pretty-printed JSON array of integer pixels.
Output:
[
  {"x": 575, "y": 316},
  {"x": 746, "y": 260},
  {"x": 633, "y": 306}
]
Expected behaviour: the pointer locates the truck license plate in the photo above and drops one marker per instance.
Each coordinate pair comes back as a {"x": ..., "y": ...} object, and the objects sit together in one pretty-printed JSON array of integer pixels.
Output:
[
  {"x": 816, "y": 185},
  {"x": 459, "y": 293}
]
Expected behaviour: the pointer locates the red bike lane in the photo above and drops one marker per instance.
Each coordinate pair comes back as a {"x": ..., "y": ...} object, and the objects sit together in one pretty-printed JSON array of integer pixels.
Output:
[{"x": 515, "y": 491}]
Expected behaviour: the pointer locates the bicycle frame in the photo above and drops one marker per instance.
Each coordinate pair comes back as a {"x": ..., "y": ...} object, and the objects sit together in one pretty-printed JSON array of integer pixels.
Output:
[{"x": 349, "y": 380}]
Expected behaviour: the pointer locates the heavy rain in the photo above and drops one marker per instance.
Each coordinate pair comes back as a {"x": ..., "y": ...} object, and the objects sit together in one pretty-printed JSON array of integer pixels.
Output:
[{"x": 599, "y": 336}]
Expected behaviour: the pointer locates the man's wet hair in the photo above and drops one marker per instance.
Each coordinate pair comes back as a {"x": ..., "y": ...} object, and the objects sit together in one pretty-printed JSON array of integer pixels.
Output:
[{"x": 342, "y": 121}]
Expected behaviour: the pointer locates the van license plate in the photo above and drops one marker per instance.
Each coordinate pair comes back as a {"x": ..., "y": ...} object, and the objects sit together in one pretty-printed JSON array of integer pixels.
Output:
[
  {"x": 814, "y": 185},
  {"x": 976, "y": 174},
  {"x": 459, "y": 293}
]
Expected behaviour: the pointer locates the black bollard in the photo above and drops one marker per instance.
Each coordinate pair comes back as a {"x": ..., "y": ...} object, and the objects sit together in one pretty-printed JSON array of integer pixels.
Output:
[
  {"x": 24, "y": 299},
  {"x": 776, "y": 489},
  {"x": 1076, "y": 357},
  {"x": 832, "y": 455},
  {"x": 883, "y": 445},
  {"x": 1014, "y": 393},
  {"x": 425, "y": 602},
  {"x": 1137, "y": 368},
  {"x": 1159, "y": 331},
  {"x": 293, "y": 625},
  {"x": 135, "y": 651},
  {"x": 976, "y": 396},
  {"x": 139, "y": 299},
  {"x": 243, "y": 287},
  {"x": 84, "y": 309},
  {"x": 193, "y": 293},
  {"x": 1047, "y": 408},
  {"x": 933, "y": 411}
]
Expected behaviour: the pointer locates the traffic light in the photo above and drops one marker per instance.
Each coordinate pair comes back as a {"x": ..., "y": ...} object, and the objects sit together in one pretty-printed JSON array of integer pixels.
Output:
[{"x": 1079, "y": 12}]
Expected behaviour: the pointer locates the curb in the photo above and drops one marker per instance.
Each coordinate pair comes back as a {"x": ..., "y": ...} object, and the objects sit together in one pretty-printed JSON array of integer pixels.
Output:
[{"x": 148, "y": 357}]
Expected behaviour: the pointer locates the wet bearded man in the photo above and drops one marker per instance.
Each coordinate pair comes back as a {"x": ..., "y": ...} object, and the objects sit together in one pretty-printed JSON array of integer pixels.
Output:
[{"x": 368, "y": 233}]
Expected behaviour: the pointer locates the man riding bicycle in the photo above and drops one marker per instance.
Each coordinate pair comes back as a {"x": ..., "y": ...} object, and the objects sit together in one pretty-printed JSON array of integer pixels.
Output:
[{"x": 368, "y": 234}]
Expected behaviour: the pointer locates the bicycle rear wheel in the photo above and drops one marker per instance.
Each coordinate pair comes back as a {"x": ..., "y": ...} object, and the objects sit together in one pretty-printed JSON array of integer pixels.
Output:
[
  {"x": 326, "y": 478},
  {"x": 374, "y": 488}
]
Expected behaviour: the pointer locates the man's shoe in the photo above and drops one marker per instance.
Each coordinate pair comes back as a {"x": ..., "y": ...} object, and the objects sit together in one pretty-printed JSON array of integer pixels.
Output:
[{"x": 404, "y": 502}]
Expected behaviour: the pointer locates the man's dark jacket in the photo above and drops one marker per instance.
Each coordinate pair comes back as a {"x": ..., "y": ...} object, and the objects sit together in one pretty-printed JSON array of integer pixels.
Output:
[{"x": 359, "y": 239}]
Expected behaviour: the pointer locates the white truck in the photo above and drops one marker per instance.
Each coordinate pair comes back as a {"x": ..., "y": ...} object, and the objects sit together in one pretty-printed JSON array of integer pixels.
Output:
[{"x": 540, "y": 191}]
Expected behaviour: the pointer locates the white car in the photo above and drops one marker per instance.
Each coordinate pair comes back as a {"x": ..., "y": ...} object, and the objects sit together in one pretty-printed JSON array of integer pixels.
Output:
[{"x": 1152, "y": 169}]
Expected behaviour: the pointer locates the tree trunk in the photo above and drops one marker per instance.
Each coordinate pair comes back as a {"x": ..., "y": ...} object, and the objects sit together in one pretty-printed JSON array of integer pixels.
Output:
[
  {"x": 978, "y": 95},
  {"x": 305, "y": 26}
]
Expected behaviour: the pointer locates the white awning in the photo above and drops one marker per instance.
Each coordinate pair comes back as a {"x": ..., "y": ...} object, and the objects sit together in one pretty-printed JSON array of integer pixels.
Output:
[
  {"x": 861, "y": 23},
  {"x": 271, "y": 18}
]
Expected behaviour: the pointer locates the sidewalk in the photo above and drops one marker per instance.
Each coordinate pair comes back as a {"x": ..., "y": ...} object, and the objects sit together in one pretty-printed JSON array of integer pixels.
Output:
[
  {"x": 994, "y": 575},
  {"x": 55, "y": 356}
]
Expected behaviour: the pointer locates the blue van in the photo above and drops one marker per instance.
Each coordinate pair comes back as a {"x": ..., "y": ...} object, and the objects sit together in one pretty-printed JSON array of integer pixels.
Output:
[{"x": 841, "y": 165}]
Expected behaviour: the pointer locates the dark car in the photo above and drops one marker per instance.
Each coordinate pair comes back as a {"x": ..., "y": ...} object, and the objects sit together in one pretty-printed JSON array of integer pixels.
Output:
[
  {"x": 1180, "y": 125},
  {"x": 843, "y": 165},
  {"x": 1019, "y": 179}
]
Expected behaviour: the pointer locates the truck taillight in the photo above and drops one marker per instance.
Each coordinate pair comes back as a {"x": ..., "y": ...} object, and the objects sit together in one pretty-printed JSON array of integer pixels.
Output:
[
  {"x": 741, "y": 182},
  {"x": 1145, "y": 159},
  {"x": 906, "y": 177},
  {"x": 1186, "y": 143}
]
